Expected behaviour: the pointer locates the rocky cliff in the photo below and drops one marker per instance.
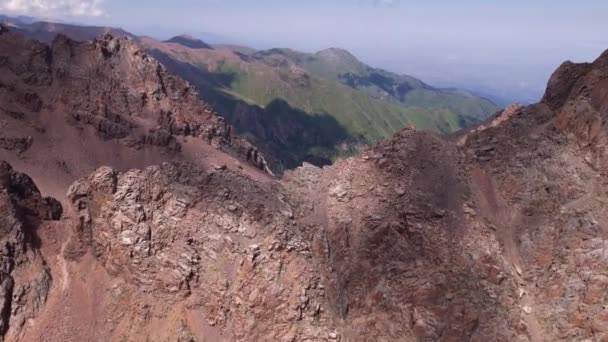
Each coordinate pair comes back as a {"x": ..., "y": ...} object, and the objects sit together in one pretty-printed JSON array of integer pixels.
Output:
[
  {"x": 108, "y": 96},
  {"x": 25, "y": 278}
]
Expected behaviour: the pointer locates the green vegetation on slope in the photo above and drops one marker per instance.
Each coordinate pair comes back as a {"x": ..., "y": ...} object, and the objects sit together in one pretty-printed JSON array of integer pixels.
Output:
[
  {"x": 315, "y": 107},
  {"x": 363, "y": 115},
  {"x": 403, "y": 89}
]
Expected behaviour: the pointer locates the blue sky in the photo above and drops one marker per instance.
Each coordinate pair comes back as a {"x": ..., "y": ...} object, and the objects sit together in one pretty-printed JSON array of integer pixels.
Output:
[{"x": 508, "y": 48}]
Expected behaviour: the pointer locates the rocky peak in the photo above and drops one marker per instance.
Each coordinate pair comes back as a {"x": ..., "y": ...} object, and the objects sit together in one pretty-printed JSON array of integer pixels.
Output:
[
  {"x": 602, "y": 59},
  {"x": 114, "y": 87},
  {"x": 562, "y": 82},
  {"x": 109, "y": 45},
  {"x": 574, "y": 80},
  {"x": 577, "y": 93}
]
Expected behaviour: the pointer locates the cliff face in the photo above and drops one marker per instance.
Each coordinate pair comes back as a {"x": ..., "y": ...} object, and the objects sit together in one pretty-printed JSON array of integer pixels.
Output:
[
  {"x": 108, "y": 96},
  {"x": 495, "y": 234},
  {"x": 25, "y": 278}
]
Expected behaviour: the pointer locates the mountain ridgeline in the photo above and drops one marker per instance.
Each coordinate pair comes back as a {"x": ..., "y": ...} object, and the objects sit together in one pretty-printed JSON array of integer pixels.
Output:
[
  {"x": 271, "y": 96},
  {"x": 189, "y": 41},
  {"x": 297, "y": 106}
]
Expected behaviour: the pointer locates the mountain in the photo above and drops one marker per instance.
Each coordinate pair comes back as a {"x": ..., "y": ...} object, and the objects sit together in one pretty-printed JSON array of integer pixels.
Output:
[
  {"x": 171, "y": 231},
  {"x": 295, "y": 106},
  {"x": 303, "y": 107},
  {"x": 167, "y": 225},
  {"x": 107, "y": 94},
  {"x": 189, "y": 41},
  {"x": 18, "y": 19},
  {"x": 343, "y": 66},
  {"x": 46, "y": 31}
]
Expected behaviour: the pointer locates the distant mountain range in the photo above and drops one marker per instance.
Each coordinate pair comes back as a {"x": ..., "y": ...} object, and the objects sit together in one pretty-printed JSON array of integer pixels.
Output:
[
  {"x": 46, "y": 31},
  {"x": 189, "y": 41},
  {"x": 18, "y": 19},
  {"x": 298, "y": 106},
  {"x": 312, "y": 107}
]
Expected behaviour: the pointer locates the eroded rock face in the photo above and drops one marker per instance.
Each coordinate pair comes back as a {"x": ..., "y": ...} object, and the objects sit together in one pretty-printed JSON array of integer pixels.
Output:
[
  {"x": 211, "y": 239},
  {"x": 17, "y": 144},
  {"x": 418, "y": 239},
  {"x": 149, "y": 92},
  {"x": 25, "y": 279},
  {"x": 110, "y": 86}
]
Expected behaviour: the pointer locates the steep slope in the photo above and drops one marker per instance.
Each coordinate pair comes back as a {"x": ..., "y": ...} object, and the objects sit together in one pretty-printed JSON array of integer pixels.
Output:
[
  {"x": 271, "y": 95},
  {"x": 25, "y": 280},
  {"x": 109, "y": 96},
  {"x": 339, "y": 64}
]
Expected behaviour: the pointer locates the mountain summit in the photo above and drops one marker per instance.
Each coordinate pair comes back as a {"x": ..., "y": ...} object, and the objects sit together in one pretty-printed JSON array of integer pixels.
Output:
[
  {"x": 336, "y": 61},
  {"x": 189, "y": 41},
  {"x": 109, "y": 95}
]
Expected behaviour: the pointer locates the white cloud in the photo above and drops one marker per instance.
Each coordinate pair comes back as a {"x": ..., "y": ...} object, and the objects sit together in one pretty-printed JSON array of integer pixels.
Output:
[{"x": 53, "y": 8}]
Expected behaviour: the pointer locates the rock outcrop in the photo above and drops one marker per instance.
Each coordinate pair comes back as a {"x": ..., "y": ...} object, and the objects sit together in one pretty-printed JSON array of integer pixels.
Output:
[
  {"x": 25, "y": 279},
  {"x": 134, "y": 87},
  {"x": 17, "y": 144},
  {"x": 211, "y": 239},
  {"x": 107, "y": 94}
]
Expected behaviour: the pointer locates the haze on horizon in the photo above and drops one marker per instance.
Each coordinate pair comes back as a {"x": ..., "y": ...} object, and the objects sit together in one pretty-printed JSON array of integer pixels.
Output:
[{"x": 506, "y": 49}]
